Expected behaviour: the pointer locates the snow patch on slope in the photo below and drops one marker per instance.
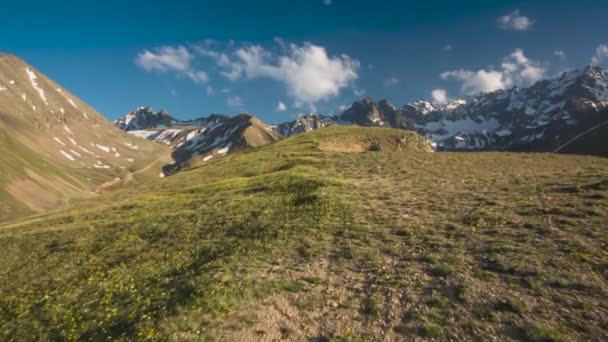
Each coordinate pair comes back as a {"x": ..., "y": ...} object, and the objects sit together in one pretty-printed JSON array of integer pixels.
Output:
[
  {"x": 85, "y": 150},
  {"x": 34, "y": 80},
  {"x": 441, "y": 130},
  {"x": 222, "y": 151},
  {"x": 69, "y": 99},
  {"x": 67, "y": 155},
  {"x": 103, "y": 148},
  {"x": 67, "y": 129},
  {"x": 144, "y": 134},
  {"x": 59, "y": 141}
]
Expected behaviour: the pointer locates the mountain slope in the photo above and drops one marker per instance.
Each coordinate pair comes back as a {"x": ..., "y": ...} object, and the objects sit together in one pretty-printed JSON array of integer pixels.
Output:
[
  {"x": 54, "y": 147},
  {"x": 290, "y": 241},
  {"x": 235, "y": 134},
  {"x": 592, "y": 141}
]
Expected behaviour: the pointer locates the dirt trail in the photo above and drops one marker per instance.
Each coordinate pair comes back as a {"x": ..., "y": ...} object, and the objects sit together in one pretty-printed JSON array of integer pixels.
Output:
[{"x": 128, "y": 177}]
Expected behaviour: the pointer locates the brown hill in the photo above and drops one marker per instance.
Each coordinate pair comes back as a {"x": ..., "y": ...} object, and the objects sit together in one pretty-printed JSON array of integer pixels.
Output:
[{"x": 54, "y": 147}]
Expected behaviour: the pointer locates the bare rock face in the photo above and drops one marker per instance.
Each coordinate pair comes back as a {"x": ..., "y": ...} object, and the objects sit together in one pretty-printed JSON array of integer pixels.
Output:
[{"x": 369, "y": 113}]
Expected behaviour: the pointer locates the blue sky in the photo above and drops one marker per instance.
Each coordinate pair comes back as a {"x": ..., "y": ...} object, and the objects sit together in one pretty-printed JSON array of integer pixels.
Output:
[{"x": 194, "y": 58}]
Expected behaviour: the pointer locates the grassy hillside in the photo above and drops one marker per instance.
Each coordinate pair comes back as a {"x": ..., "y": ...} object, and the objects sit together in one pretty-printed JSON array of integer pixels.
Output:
[
  {"x": 55, "y": 148},
  {"x": 297, "y": 242}
]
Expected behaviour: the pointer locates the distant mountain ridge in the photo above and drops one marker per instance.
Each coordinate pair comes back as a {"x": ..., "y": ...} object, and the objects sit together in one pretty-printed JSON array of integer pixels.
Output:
[
  {"x": 146, "y": 118},
  {"x": 544, "y": 117}
]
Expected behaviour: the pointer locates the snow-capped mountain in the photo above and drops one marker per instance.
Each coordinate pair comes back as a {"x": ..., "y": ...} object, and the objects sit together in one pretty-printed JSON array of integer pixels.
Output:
[
  {"x": 146, "y": 118},
  {"x": 201, "y": 139},
  {"x": 142, "y": 118},
  {"x": 304, "y": 123},
  {"x": 544, "y": 117},
  {"x": 220, "y": 138}
]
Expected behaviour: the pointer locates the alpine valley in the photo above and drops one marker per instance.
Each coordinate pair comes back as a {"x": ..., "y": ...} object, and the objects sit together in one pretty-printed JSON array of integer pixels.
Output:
[{"x": 372, "y": 225}]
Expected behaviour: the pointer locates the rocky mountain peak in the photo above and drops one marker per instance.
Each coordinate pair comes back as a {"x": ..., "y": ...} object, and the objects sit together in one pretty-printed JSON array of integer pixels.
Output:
[
  {"x": 386, "y": 105},
  {"x": 304, "y": 123},
  {"x": 367, "y": 112},
  {"x": 422, "y": 106},
  {"x": 143, "y": 118}
]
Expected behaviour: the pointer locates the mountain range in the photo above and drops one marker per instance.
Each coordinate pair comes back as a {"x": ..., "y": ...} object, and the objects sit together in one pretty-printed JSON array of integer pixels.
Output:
[{"x": 567, "y": 113}]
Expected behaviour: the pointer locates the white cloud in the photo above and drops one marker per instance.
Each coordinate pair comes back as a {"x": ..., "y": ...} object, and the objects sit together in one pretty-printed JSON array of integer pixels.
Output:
[
  {"x": 309, "y": 74},
  {"x": 516, "y": 69},
  {"x": 560, "y": 54},
  {"x": 601, "y": 54},
  {"x": 476, "y": 81},
  {"x": 391, "y": 81},
  {"x": 519, "y": 70},
  {"x": 281, "y": 43},
  {"x": 198, "y": 76},
  {"x": 167, "y": 58},
  {"x": 205, "y": 50},
  {"x": 234, "y": 102},
  {"x": 281, "y": 107},
  {"x": 359, "y": 92},
  {"x": 327, "y": 2},
  {"x": 210, "y": 90},
  {"x": 448, "y": 47},
  {"x": 307, "y": 71},
  {"x": 514, "y": 21},
  {"x": 440, "y": 96}
]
